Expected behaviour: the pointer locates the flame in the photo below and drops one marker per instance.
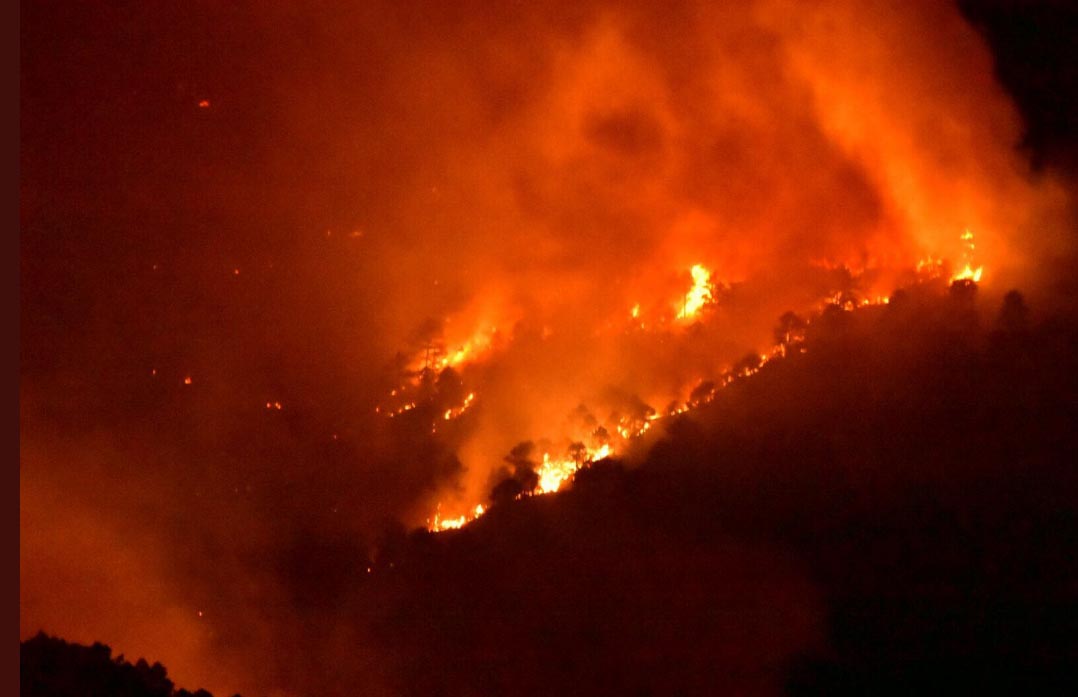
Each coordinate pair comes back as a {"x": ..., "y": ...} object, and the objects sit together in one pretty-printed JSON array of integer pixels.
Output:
[
  {"x": 455, "y": 412},
  {"x": 467, "y": 352},
  {"x": 968, "y": 273},
  {"x": 930, "y": 267},
  {"x": 449, "y": 523},
  {"x": 552, "y": 473},
  {"x": 615, "y": 434},
  {"x": 439, "y": 524},
  {"x": 700, "y": 294},
  {"x": 445, "y": 352}
]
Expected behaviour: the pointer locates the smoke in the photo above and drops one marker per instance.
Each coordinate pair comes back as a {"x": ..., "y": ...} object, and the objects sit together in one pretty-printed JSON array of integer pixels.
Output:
[
  {"x": 375, "y": 187},
  {"x": 571, "y": 171}
]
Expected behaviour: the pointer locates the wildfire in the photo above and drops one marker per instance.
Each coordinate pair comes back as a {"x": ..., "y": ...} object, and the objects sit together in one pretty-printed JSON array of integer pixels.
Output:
[
  {"x": 406, "y": 407},
  {"x": 439, "y": 524},
  {"x": 614, "y": 435},
  {"x": 555, "y": 472},
  {"x": 459, "y": 353},
  {"x": 968, "y": 273},
  {"x": 464, "y": 353},
  {"x": 700, "y": 295},
  {"x": 455, "y": 412},
  {"x": 930, "y": 267}
]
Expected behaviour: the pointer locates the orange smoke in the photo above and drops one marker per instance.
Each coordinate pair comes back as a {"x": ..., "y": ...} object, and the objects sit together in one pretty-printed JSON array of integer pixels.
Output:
[
  {"x": 782, "y": 153},
  {"x": 481, "y": 244}
]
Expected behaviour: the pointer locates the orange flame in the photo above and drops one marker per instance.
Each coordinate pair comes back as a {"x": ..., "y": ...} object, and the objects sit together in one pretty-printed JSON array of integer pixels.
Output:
[
  {"x": 700, "y": 294},
  {"x": 620, "y": 430}
]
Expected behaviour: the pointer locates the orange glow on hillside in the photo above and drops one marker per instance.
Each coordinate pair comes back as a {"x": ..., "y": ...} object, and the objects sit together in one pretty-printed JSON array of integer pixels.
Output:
[{"x": 555, "y": 471}]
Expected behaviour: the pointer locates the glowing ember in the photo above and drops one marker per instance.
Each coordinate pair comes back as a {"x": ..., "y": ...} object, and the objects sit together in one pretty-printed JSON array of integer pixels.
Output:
[{"x": 407, "y": 407}]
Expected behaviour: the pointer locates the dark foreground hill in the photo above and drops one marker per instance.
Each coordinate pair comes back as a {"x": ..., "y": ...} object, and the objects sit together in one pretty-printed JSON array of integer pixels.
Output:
[
  {"x": 51, "y": 667},
  {"x": 892, "y": 511}
]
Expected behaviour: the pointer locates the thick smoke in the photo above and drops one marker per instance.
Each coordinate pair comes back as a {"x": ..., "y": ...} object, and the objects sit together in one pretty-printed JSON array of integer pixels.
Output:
[
  {"x": 561, "y": 173},
  {"x": 373, "y": 183}
]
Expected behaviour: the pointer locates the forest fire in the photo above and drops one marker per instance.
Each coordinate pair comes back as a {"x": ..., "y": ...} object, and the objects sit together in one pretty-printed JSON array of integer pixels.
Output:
[
  {"x": 396, "y": 348},
  {"x": 622, "y": 238},
  {"x": 553, "y": 472},
  {"x": 700, "y": 294},
  {"x": 968, "y": 273},
  {"x": 439, "y": 524}
]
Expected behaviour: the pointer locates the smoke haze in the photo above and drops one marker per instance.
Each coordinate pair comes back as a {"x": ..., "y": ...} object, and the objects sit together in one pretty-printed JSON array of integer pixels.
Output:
[{"x": 248, "y": 229}]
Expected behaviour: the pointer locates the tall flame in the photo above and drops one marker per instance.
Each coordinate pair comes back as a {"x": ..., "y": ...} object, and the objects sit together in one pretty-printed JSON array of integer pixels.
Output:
[
  {"x": 968, "y": 273},
  {"x": 699, "y": 295}
]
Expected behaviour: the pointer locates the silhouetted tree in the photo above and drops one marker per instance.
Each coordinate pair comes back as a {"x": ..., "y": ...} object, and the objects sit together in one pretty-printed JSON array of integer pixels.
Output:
[
  {"x": 898, "y": 300},
  {"x": 791, "y": 329},
  {"x": 51, "y": 667},
  {"x": 521, "y": 455},
  {"x": 963, "y": 290},
  {"x": 520, "y": 479},
  {"x": 507, "y": 490},
  {"x": 450, "y": 388},
  {"x": 1014, "y": 315}
]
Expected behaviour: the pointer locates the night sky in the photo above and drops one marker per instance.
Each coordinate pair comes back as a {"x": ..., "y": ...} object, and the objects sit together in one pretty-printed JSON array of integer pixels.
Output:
[{"x": 253, "y": 233}]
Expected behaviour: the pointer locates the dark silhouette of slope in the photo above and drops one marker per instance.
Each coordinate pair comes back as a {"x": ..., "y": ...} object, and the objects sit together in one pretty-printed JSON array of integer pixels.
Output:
[
  {"x": 894, "y": 511},
  {"x": 51, "y": 667}
]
